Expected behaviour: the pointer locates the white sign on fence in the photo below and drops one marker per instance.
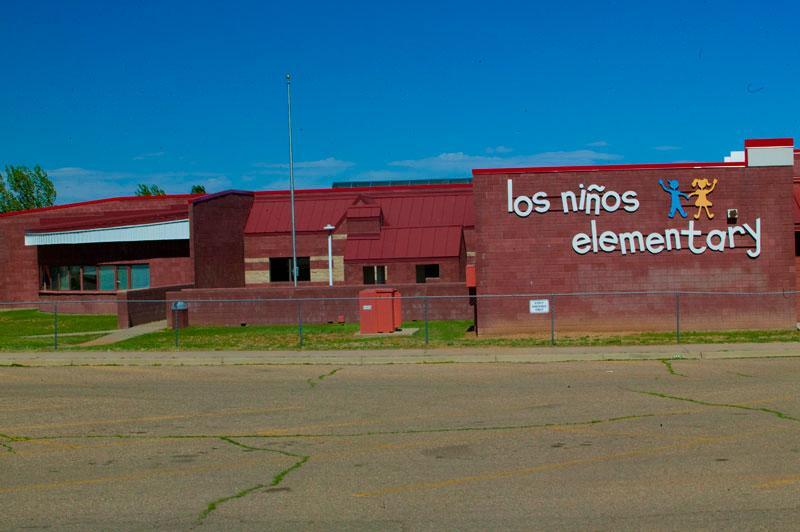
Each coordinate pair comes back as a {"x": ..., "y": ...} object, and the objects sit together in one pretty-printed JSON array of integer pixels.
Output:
[{"x": 539, "y": 306}]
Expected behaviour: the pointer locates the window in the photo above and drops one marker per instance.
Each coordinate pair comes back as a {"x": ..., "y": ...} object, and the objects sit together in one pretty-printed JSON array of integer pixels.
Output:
[
  {"x": 280, "y": 269},
  {"x": 140, "y": 276},
  {"x": 107, "y": 281},
  {"x": 122, "y": 278},
  {"x": 374, "y": 274},
  {"x": 90, "y": 278},
  {"x": 427, "y": 271}
]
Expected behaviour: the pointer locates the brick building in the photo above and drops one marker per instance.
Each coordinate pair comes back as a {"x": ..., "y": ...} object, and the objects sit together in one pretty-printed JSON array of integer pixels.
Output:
[
  {"x": 711, "y": 228},
  {"x": 546, "y": 233}
]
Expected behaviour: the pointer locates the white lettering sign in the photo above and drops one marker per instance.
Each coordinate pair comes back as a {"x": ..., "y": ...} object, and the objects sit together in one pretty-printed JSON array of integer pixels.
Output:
[
  {"x": 595, "y": 199},
  {"x": 539, "y": 306}
]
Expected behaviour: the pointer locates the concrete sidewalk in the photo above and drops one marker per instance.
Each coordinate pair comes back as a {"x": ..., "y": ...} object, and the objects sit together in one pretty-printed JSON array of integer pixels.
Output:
[{"x": 402, "y": 356}]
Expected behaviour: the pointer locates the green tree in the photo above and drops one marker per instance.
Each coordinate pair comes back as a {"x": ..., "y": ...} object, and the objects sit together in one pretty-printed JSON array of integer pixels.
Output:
[
  {"x": 149, "y": 190},
  {"x": 198, "y": 189},
  {"x": 24, "y": 188}
]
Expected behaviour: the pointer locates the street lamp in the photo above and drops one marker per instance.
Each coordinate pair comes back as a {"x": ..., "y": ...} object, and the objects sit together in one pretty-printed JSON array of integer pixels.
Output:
[{"x": 329, "y": 228}]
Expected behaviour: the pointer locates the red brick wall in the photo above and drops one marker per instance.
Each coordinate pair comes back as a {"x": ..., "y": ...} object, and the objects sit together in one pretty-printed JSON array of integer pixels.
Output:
[
  {"x": 453, "y": 305},
  {"x": 534, "y": 255},
  {"x": 79, "y": 303},
  {"x": 135, "y": 307},
  {"x": 19, "y": 268},
  {"x": 405, "y": 272},
  {"x": 217, "y": 239}
]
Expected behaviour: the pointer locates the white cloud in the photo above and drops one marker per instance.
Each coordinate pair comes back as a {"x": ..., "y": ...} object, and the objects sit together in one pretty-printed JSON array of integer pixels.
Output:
[
  {"x": 598, "y": 144},
  {"x": 311, "y": 169},
  {"x": 666, "y": 147},
  {"x": 498, "y": 149},
  {"x": 461, "y": 164},
  {"x": 80, "y": 184},
  {"x": 151, "y": 155}
]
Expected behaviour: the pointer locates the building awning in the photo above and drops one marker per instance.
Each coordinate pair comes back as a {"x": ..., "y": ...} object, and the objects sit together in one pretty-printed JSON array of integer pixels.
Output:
[
  {"x": 169, "y": 230},
  {"x": 406, "y": 243}
]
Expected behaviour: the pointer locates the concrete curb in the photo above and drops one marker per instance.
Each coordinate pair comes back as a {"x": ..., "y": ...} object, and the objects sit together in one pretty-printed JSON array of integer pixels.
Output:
[{"x": 401, "y": 356}]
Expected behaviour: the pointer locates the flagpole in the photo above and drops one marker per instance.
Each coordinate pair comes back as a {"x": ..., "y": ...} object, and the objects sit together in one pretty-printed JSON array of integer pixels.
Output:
[{"x": 291, "y": 180}]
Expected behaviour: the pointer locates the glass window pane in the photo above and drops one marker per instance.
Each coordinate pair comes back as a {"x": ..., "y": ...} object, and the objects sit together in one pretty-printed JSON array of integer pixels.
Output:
[
  {"x": 74, "y": 278},
  {"x": 89, "y": 278},
  {"x": 369, "y": 275},
  {"x": 303, "y": 268},
  {"x": 122, "y": 278},
  {"x": 63, "y": 278},
  {"x": 380, "y": 274},
  {"x": 140, "y": 276},
  {"x": 107, "y": 277}
]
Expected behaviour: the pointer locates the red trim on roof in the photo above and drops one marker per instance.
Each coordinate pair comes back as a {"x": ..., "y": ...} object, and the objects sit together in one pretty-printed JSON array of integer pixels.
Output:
[
  {"x": 786, "y": 142},
  {"x": 209, "y": 197},
  {"x": 97, "y": 201},
  {"x": 602, "y": 168},
  {"x": 111, "y": 219},
  {"x": 356, "y": 190}
]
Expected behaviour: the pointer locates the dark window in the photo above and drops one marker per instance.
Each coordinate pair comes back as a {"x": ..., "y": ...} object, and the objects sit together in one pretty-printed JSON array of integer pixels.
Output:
[
  {"x": 427, "y": 271},
  {"x": 280, "y": 269},
  {"x": 797, "y": 244},
  {"x": 374, "y": 274},
  {"x": 89, "y": 278}
]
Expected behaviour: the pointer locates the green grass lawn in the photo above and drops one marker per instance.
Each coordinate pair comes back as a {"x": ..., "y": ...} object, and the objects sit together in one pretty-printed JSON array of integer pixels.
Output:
[
  {"x": 441, "y": 334},
  {"x": 17, "y": 325}
]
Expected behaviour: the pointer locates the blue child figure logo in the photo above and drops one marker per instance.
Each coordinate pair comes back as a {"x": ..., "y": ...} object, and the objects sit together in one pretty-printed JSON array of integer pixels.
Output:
[{"x": 675, "y": 197}]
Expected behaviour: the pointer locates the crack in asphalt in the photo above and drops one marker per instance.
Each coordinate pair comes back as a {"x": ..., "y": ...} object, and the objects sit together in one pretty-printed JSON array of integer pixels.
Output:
[
  {"x": 314, "y": 381},
  {"x": 277, "y": 479},
  {"x": 670, "y": 369},
  {"x": 776, "y": 413}
]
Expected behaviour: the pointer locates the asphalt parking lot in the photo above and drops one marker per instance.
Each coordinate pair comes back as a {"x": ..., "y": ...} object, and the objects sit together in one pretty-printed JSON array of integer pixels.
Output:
[{"x": 599, "y": 445}]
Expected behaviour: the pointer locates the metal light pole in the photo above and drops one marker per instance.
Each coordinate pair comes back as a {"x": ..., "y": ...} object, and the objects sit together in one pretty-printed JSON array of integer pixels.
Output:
[
  {"x": 329, "y": 228},
  {"x": 291, "y": 180}
]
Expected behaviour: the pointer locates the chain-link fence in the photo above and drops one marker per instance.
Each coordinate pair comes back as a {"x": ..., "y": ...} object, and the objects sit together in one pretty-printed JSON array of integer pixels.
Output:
[{"x": 389, "y": 319}]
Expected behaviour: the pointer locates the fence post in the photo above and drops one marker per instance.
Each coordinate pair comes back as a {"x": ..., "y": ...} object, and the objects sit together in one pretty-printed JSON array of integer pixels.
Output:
[
  {"x": 425, "y": 314},
  {"x": 176, "y": 326},
  {"x": 552, "y": 319},
  {"x": 55, "y": 326},
  {"x": 300, "y": 322},
  {"x": 677, "y": 317}
]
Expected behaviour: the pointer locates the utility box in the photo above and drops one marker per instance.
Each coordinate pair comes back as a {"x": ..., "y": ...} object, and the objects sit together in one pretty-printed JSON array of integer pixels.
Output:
[
  {"x": 472, "y": 280},
  {"x": 180, "y": 314},
  {"x": 376, "y": 310}
]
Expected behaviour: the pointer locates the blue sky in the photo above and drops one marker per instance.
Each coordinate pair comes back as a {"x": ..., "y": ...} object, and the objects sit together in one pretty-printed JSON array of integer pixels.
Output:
[{"x": 105, "y": 95}]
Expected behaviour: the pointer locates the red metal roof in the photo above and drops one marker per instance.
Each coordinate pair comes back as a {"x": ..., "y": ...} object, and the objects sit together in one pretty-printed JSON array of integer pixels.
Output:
[
  {"x": 112, "y": 219},
  {"x": 424, "y": 206},
  {"x": 364, "y": 211},
  {"x": 406, "y": 243},
  {"x": 155, "y": 199},
  {"x": 311, "y": 214}
]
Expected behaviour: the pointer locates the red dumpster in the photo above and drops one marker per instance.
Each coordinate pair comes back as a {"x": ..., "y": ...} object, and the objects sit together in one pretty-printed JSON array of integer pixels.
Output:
[{"x": 376, "y": 310}]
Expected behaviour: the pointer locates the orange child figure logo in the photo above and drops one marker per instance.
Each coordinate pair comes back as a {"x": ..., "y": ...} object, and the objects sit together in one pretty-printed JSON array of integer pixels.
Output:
[{"x": 702, "y": 190}]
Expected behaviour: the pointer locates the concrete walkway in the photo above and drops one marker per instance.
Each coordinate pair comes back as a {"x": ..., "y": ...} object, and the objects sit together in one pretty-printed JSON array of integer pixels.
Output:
[
  {"x": 123, "y": 334},
  {"x": 403, "y": 356}
]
